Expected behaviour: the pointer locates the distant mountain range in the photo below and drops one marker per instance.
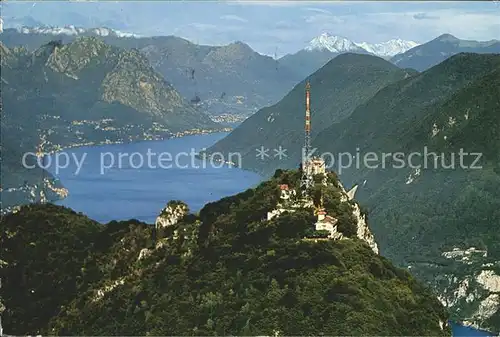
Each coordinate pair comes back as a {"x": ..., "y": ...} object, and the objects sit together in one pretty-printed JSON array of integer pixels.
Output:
[
  {"x": 405, "y": 54},
  {"x": 332, "y": 43},
  {"x": 338, "y": 45},
  {"x": 237, "y": 80},
  {"x": 325, "y": 47},
  {"x": 429, "y": 54},
  {"x": 76, "y": 31},
  {"x": 217, "y": 79}
]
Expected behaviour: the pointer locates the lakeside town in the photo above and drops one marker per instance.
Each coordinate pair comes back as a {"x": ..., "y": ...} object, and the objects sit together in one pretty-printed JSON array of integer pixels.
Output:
[
  {"x": 228, "y": 118},
  {"x": 105, "y": 132}
]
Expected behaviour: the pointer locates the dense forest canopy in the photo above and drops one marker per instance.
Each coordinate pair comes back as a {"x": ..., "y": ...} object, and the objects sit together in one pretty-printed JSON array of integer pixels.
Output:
[{"x": 226, "y": 270}]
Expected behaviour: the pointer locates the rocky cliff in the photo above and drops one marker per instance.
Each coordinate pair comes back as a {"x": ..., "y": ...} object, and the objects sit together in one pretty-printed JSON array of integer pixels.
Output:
[
  {"x": 363, "y": 231},
  {"x": 474, "y": 291},
  {"x": 171, "y": 214}
]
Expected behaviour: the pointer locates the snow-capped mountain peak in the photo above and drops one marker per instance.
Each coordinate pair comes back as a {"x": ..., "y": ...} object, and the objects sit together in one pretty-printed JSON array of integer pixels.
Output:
[
  {"x": 332, "y": 43},
  {"x": 72, "y": 30},
  {"x": 388, "y": 48},
  {"x": 339, "y": 44}
]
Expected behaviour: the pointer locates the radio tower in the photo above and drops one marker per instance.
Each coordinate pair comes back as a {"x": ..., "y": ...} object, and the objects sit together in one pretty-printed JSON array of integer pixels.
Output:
[{"x": 306, "y": 180}]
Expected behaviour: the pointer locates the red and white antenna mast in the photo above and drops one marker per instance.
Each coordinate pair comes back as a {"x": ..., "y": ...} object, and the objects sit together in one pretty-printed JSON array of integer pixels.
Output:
[
  {"x": 306, "y": 180},
  {"x": 307, "y": 143}
]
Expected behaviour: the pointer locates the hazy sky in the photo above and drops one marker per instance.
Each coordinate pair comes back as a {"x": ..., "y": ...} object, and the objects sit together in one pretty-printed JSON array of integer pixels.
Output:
[{"x": 269, "y": 27}]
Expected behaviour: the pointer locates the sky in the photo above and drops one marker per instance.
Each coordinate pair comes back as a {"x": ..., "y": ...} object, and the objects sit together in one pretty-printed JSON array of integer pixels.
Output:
[{"x": 269, "y": 27}]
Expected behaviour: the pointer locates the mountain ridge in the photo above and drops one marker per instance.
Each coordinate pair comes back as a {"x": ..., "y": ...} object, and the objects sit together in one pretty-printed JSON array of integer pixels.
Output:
[
  {"x": 247, "y": 81},
  {"x": 339, "y": 44},
  {"x": 431, "y": 53},
  {"x": 349, "y": 79},
  {"x": 82, "y": 93},
  {"x": 324, "y": 40},
  {"x": 269, "y": 279},
  {"x": 325, "y": 47},
  {"x": 72, "y": 30},
  {"x": 451, "y": 106},
  {"x": 447, "y": 78},
  {"x": 468, "y": 121}
]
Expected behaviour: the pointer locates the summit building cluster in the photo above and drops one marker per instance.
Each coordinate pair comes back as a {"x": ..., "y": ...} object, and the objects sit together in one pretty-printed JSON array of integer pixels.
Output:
[{"x": 312, "y": 168}]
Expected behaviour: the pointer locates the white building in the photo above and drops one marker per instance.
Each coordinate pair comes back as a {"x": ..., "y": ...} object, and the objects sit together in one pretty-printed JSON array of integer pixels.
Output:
[
  {"x": 315, "y": 166},
  {"x": 286, "y": 192},
  {"x": 288, "y": 202},
  {"x": 328, "y": 223},
  {"x": 324, "y": 222}
]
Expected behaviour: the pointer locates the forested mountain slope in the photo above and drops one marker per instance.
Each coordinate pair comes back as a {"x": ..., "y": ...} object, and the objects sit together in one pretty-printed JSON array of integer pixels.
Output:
[
  {"x": 336, "y": 90},
  {"x": 226, "y": 270}
]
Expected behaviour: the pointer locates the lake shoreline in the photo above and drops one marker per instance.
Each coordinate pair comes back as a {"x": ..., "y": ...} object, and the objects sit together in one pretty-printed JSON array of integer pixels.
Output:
[
  {"x": 144, "y": 183},
  {"x": 58, "y": 192},
  {"x": 182, "y": 134},
  {"x": 464, "y": 325}
]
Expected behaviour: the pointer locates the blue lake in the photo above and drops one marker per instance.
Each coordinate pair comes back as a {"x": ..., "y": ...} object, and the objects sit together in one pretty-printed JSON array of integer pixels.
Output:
[
  {"x": 128, "y": 190},
  {"x": 465, "y": 331}
]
